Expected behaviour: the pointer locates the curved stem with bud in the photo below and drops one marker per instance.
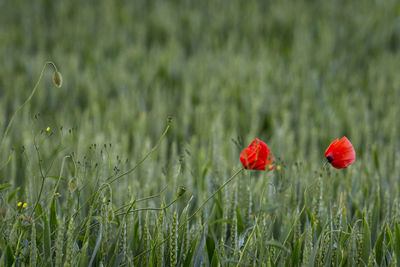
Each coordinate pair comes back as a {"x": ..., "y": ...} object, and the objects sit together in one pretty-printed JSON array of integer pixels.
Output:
[{"x": 27, "y": 100}]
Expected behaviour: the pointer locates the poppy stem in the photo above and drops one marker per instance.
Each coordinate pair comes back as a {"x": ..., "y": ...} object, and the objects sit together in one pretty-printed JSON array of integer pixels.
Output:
[
  {"x": 143, "y": 159},
  {"x": 213, "y": 194},
  {"x": 194, "y": 214}
]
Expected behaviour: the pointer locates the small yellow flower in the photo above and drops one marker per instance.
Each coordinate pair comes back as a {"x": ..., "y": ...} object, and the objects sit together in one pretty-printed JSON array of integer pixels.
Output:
[
  {"x": 57, "y": 194},
  {"x": 19, "y": 204},
  {"x": 271, "y": 167},
  {"x": 25, "y": 205},
  {"x": 278, "y": 167},
  {"x": 48, "y": 129}
]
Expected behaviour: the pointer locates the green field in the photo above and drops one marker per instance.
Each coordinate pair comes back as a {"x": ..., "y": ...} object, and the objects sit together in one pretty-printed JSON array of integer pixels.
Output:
[{"x": 117, "y": 181}]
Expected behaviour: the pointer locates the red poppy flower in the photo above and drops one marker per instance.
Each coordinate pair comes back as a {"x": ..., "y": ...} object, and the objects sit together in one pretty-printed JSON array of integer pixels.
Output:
[
  {"x": 257, "y": 156},
  {"x": 340, "y": 154}
]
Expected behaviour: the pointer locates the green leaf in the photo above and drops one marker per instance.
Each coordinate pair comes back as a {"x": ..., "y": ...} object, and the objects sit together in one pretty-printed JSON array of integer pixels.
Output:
[
  {"x": 367, "y": 241},
  {"x": 189, "y": 255},
  {"x": 375, "y": 217},
  {"x": 210, "y": 245},
  {"x": 12, "y": 195},
  {"x": 379, "y": 247},
  {"x": 53, "y": 219},
  {"x": 98, "y": 241},
  {"x": 118, "y": 259},
  {"x": 215, "y": 261},
  {"x": 376, "y": 157},
  {"x": 10, "y": 256},
  {"x": 83, "y": 257},
  {"x": 3, "y": 259},
  {"x": 397, "y": 241},
  {"x": 240, "y": 226},
  {"x": 39, "y": 209},
  {"x": 296, "y": 253},
  {"x": 390, "y": 237},
  {"x": 4, "y": 186},
  {"x": 200, "y": 249},
  {"x": 276, "y": 244},
  {"x": 46, "y": 240},
  {"x": 56, "y": 177},
  {"x": 269, "y": 208}
]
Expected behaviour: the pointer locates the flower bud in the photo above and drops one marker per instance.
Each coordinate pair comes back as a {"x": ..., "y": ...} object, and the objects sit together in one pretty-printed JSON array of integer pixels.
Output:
[
  {"x": 3, "y": 212},
  {"x": 57, "y": 79},
  {"x": 169, "y": 118}
]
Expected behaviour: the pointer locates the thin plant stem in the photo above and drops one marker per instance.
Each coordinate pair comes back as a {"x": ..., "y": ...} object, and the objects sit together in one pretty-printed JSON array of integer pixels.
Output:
[
  {"x": 149, "y": 209},
  {"x": 42, "y": 176},
  {"x": 297, "y": 218},
  {"x": 40, "y": 194},
  {"x": 8, "y": 160},
  {"x": 26, "y": 101},
  {"x": 247, "y": 244},
  {"x": 54, "y": 191},
  {"x": 194, "y": 213},
  {"x": 91, "y": 212},
  {"x": 132, "y": 169},
  {"x": 213, "y": 194},
  {"x": 58, "y": 180},
  {"x": 143, "y": 199},
  {"x": 143, "y": 159},
  {"x": 14, "y": 116}
]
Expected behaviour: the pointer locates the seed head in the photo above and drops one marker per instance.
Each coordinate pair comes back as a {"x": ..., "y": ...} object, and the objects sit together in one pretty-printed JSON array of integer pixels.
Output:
[
  {"x": 110, "y": 214},
  {"x": 181, "y": 191},
  {"x": 72, "y": 185}
]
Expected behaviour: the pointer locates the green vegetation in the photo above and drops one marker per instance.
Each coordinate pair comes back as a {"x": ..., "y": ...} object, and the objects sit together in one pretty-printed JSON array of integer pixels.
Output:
[{"x": 103, "y": 189}]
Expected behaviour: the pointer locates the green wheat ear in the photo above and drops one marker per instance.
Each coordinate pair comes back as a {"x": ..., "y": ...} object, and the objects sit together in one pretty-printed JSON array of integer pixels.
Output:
[
  {"x": 70, "y": 244},
  {"x": 60, "y": 242},
  {"x": 33, "y": 247},
  {"x": 173, "y": 245}
]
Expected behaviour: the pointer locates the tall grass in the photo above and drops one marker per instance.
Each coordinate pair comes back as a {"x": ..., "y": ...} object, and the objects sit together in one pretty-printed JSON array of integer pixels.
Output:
[{"x": 295, "y": 74}]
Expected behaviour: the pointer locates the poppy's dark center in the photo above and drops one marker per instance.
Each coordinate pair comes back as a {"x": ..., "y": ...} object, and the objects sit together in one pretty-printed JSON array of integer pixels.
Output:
[{"x": 329, "y": 158}]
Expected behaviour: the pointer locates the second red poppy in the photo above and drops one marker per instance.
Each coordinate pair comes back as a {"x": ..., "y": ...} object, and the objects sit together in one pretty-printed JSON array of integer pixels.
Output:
[{"x": 340, "y": 153}]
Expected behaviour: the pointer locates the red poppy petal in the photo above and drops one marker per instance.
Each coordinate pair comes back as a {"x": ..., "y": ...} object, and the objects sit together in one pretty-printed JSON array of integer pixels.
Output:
[
  {"x": 341, "y": 153},
  {"x": 256, "y": 156},
  {"x": 331, "y": 147}
]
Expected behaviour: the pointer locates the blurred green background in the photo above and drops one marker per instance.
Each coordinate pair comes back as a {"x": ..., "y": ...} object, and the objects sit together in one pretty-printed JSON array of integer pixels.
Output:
[{"x": 296, "y": 74}]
